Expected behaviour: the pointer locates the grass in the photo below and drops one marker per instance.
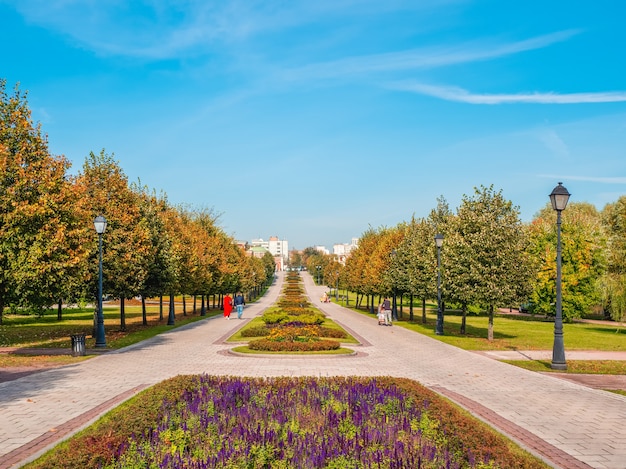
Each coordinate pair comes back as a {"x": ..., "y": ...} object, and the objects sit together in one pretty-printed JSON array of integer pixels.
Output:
[
  {"x": 600, "y": 367},
  {"x": 521, "y": 333},
  {"x": 515, "y": 332},
  {"x": 510, "y": 333},
  {"x": 26, "y": 332}
]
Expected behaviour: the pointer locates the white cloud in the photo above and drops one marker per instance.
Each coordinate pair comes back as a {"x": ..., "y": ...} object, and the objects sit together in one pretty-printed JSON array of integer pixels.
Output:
[
  {"x": 161, "y": 29},
  {"x": 451, "y": 93},
  {"x": 424, "y": 58}
]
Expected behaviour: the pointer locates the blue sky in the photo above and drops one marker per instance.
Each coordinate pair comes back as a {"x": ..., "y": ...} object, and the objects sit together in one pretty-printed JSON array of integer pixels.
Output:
[{"x": 315, "y": 120}]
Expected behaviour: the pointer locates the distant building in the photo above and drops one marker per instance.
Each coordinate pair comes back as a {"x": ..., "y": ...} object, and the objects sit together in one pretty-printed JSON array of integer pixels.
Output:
[
  {"x": 258, "y": 251},
  {"x": 276, "y": 247},
  {"x": 279, "y": 247},
  {"x": 322, "y": 249},
  {"x": 342, "y": 251}
]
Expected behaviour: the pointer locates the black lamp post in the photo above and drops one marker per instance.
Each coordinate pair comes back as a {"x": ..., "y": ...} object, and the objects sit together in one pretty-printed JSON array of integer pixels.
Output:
[
  {"x": 439, "y": 243},
  {"x": 318, "y": 268},
  {"x": 337, "y": 289},
  {"x": 559, "y": 198},
  {"x": 100, "y": 224}
]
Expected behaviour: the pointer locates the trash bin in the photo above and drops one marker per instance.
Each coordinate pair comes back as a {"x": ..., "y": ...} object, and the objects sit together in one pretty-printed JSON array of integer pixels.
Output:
[{"x": 78, "y": 345}]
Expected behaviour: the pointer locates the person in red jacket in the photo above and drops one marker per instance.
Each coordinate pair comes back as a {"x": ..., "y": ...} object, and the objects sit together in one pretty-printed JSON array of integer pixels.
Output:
[{"x": 228, "y": 306}]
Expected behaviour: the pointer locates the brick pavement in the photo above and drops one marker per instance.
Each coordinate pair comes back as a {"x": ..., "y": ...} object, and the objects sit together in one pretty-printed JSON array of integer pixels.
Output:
[{"x": 568, "y": 425}]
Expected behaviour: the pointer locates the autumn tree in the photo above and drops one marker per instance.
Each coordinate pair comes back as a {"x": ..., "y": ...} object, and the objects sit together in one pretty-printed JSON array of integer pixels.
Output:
[
  {"x": 126, "y": 243},
  {"x": 368, "y": 268},
  {"x": 161, "y": 263},
  {"x": 42, "y": 248},
  {"x": 269, "y": 267},
  {"x": 358, "y": 275},
  {"x": 583, "y": 259}
]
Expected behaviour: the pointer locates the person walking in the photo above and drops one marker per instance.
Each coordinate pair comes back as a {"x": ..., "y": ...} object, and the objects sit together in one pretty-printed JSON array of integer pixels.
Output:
[
  {"x": 239, "y": 304},
  {"x": 386, "y": 308},
  {"x": 228, "y": 306}
]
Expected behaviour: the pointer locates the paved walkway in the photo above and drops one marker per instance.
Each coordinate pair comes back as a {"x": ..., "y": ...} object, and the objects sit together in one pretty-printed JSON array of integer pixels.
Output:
[{"x": 567, "y": 424}]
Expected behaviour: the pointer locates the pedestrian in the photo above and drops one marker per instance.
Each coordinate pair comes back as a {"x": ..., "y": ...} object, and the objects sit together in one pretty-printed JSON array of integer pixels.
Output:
[
  {"x": 239, "y": 303},
  {"x": 228, "y": 306},
  {"x": 386, "y": 308}
]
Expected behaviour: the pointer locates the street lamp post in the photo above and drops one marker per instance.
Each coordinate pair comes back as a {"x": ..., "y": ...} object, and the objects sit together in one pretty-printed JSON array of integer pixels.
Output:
[
  {"x": 394, "y": 304},
  {"x": 318, "y": 268},
  {"x": 559, "y": 198},
  {"x": 439, "y": 243},
  {"x": 100, "y": 224},
  {"x": 337, "y": 289}
]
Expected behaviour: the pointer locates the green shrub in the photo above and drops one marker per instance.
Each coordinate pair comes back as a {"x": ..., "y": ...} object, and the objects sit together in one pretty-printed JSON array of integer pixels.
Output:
[
  {"x": 275, "y": 317},
  {"x": 258, "y": 331}
]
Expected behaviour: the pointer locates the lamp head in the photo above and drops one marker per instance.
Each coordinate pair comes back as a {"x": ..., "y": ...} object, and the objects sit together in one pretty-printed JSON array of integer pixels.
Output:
[
  {"x": 438, "y": 240},
  {"x": 559, "y": 197},
  {"x": 100, "y": 223}
]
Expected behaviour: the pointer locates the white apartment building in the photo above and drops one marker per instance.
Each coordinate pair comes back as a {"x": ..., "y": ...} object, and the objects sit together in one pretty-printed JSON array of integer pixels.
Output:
[
  {"x": 342, "y": 251},
  {"x": 276, "y": 247},
  {"x": 322, "y": 249}
]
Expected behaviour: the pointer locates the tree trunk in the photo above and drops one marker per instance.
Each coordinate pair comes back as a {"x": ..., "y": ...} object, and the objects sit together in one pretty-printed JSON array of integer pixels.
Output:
[
  {"x": 184, "y": 306},
  {"x": 122, "y": 314},
  {"x": 160, "y": 307},
  {"x": 144, "y": 314},
  {"x": 195, "y": 297},
  {"x": 463, "y": 317},
  {"x": 202, "y": 307},
  {"x": 423, "y": 310},
  {"x": 60, "y": 310},
  {"x": 411, "y": 307},
  {"x": 490, "y": 329},
  {"x": 171, "y": 316}
]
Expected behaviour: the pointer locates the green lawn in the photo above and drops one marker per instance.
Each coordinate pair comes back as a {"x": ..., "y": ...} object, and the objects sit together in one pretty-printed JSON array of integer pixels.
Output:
[
  {"x": 513, "y": 332},
  {"x": 522, "y": 333},
  {"x": 510, "y": 333}
]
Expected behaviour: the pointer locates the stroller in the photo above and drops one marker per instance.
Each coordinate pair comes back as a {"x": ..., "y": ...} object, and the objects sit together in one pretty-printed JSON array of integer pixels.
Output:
[{"x": 381, "y": 316}]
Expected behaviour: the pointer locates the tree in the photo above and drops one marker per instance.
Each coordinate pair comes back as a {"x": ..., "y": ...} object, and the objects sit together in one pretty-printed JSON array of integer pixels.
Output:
[
  {"x": 613, "y": 282},
  {"x": 583, "y": 260},
  {"x": 161, "y": 267},
  {"x": 42, "y": 248},
  {"x": 485, "y": 261},
  {"x": 416, "y": 254},
  {"x": 126, "y": 243},
  {"x": 369, "y": 268}
]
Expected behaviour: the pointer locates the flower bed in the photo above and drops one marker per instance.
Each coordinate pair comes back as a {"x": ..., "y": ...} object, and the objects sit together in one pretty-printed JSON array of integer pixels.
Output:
[
  {"x": 332, "y": 423},
  {"x": 294, "y": 325}
]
